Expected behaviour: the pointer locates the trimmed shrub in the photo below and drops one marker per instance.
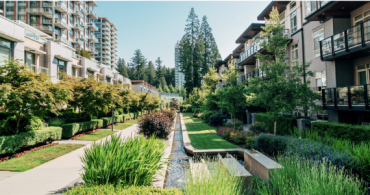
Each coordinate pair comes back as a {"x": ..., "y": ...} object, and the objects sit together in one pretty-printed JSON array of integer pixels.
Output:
[
  {"x": 111, "y": 189},
  {"x": 100, "y": 123},
  {"x": 106, "y": 121},
  {"x": 271, "y": 145},
  {"x": 120, "y": 111},
  {"x": 57, "y": 122},
  {"x": 12, "y": 143},
  {"x": 284, "y": 125},
  {"x": 70, "y": 129},
  {"x": 189, "y": 108},
  {"x": 355, "y": 133},
  {"x": 155, "y": 124},
  {"x": 73, "y": 117},
  {"x": 25, "y": 124},
  {"x": 217, "y": 120}
]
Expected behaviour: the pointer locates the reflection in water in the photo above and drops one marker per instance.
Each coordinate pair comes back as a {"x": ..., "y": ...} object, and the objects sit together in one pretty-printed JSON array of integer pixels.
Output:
[{"x": 179, "y": 161}]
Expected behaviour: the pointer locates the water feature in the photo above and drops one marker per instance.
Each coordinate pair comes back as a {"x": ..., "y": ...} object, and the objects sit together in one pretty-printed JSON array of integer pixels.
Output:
[{"x": 179, "y": 162}]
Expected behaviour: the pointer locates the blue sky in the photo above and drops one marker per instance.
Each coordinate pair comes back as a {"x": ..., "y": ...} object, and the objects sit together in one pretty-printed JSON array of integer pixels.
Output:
[{"x": 154, "y": 27}]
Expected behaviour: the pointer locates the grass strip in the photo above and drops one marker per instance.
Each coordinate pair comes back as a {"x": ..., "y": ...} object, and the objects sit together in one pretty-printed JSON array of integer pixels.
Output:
[
  {"x": 132, "y": 121},
  {"x": 37, "y": 158},
  {"x": 122, "y": 126},
  {"x": 96, "y": 135}
]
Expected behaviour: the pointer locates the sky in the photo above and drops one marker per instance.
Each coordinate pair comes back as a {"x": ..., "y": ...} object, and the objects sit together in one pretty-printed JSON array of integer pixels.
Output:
[{"x": 155, "y": 26}]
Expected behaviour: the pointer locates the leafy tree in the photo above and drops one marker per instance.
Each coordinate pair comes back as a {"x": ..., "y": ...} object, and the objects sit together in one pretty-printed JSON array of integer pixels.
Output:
[
  {"x": 284, "y": 90},
  {"x": 160, "y": 89},
  {"x": 231, "y": 97},
  {"x": 24, "y": 93},
  {"x": 172, "y": 89},
  {"x": 210, "y": 80}
]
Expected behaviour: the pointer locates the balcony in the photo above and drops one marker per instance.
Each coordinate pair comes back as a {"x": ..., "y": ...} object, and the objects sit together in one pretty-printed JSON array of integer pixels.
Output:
[
  {"x": 82, "y": 37},
  {"x": 84, "y": 11},
  {"x": 60, "y": 7},
  {"x": 61, "y": 24},
  {"x": 347, "y": 98},
  {"x": 46, "y": 29},
  {"x": 77, "y": 41},
  {"x": 349, "y": 44},
  {"x": 93, "y": 39},
  {"x": 78, "y": 2},
  {"x": 32, "y": 67},
  {"x": 77, "y": 27},
  {"x": 43, "y": 69},
  {"x": 252, "y": 74},
  {"x": 46, "y": 11},
  {"x": 93, "y": 15},
  {"x": 77, "y": 13},
  {"x": 47, "y": 4},
  {"x": 82, "y": 23},
  {"x": 93, "y": 27},
  {"x": 92, "y": 3}
]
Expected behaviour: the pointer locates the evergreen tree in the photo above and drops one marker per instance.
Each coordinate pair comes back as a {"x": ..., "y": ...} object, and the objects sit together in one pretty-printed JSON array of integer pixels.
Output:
[
  {"x": 138, "y": 62},
  {"x": 151, "y": 73},
  {"x": 121, "y": 67},
  {"x": 172, "y": 89},
  {"x": 158, "y": 71},
  {"x": 210, "y": 51}
]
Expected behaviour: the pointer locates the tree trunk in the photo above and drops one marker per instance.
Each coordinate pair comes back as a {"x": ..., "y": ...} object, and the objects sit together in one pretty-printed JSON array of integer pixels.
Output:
[
  {"x": 18, "y": 120},
  {"x": 275, "y": 127}
]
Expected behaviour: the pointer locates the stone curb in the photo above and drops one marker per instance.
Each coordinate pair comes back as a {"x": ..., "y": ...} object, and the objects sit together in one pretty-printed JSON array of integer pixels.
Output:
[{"x": 160, "y": 177}]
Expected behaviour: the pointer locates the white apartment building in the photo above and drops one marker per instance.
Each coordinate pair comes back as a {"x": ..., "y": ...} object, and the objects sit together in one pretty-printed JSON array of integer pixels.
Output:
[{"x": 179, "y": 76}]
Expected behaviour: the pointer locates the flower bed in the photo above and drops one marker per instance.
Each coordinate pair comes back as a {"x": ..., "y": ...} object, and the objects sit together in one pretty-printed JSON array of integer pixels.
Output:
[{"x": 27, "y": 151}]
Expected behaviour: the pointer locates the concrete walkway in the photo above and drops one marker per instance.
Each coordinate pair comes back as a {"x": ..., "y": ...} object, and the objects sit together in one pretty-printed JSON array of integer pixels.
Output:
[{"x": 53, "y": 176}]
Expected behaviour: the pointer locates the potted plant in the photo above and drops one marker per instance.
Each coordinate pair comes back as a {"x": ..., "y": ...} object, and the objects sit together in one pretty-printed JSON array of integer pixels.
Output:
[
  {"x": 330, "y": 101},
  {"x": 354, "y": 98},
  {"x": 340, "y": 100}
]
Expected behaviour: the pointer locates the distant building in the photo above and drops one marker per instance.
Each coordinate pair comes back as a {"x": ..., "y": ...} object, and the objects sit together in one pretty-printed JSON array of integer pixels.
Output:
[
  {"x": 140, "y": 86},
  {"x": 179, "y": 76},
  {"x": 170, "y": 96}
]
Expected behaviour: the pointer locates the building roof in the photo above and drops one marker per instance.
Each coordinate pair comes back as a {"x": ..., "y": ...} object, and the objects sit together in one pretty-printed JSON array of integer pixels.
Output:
[
  {"x": 280, "y": 5},
  {"x": 250, "y": 32},
  {"x": 219, "y": 63},
  {"x": 229, "y": 56},
  {"x": 336, "y": 9},
  {"x": 238, "y": 49}
]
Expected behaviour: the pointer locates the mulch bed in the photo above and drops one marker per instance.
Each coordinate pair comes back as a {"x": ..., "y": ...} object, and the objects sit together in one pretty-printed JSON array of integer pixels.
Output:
[{"x": 26, "y": 150}]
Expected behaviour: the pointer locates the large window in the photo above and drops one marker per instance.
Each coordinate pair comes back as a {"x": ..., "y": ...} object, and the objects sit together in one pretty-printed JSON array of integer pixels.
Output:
[
  {"x": 362, "y": 17},
  {"x": 62, "y": 68},
  {"x": 107, "y": 79},
  {"x": 293, "y": 22},
  {"x": 317, "y": 37},
  {"x": 362, "y": 74},
  {"x": 294, "y": 53},
  {"x": 6, "y": 48},
  {"x": 312, "y": 6},
  {"x": 293, "y": 4},
  {"x": 320, "y": 80}
]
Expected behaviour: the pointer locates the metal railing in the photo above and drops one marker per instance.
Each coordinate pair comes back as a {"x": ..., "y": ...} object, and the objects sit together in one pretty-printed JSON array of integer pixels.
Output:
[
  {"x": 33, "y": 36},
  {"x": 252, "y": 74},
  {"x": 353, "y": 37},
  {"x": 351, "y": 97}
]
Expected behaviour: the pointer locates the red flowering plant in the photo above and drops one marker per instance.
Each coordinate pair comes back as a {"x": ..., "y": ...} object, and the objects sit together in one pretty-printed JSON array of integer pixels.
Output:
[{"x": 258, "y": 128}]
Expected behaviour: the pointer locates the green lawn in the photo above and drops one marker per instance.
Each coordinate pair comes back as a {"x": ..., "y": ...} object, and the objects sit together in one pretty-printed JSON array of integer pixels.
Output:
[
  {"x": 96, "y": 135},
  {"x": 132, "y": 122},
  {"x": 122, "y": 126},
  {"x": 203, "y": 136},
  {"x": 189, "y": 119},
  {"x": 34, "y": 159}
]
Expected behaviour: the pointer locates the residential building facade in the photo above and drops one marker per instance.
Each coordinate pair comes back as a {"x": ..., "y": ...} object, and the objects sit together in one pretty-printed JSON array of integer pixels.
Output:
[
  {"x": 179, "y": 76},
  {"x": 140, "y": 86},
  {"x": 41, "y": 53},
  {"x": 106, "y": 47}
]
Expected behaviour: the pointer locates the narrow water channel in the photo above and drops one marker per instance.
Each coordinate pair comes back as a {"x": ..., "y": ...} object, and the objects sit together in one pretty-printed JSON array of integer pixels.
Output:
[{"x": 179, "y": 162}]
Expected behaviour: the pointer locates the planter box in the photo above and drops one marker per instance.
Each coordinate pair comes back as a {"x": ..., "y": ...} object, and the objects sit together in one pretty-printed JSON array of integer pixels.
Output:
[{"x": 259, "y": 165}]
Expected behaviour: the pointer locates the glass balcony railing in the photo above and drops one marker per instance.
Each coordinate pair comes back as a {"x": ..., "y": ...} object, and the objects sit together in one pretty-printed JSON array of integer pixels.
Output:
[
  {"x": 79, "y": 13},
  {"x": 33, "y": 36},
  {"x": 10, "y": 4},
  {"x": 93, "y": 25},
  {"x": 346, "y": 98},
  {"x": 32, "y": 67},
  {"x": 84, "y": 11},
  {"x": 43, "y": 69},
  {"x": 345, "y": 41}
]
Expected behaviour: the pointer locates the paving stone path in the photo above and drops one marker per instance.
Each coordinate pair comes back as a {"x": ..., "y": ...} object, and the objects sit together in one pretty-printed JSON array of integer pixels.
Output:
[{"x": 54, "y": 176}]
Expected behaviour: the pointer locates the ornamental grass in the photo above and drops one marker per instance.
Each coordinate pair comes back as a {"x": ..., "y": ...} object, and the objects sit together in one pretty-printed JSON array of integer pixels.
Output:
[{"x": 129, "y": 161}]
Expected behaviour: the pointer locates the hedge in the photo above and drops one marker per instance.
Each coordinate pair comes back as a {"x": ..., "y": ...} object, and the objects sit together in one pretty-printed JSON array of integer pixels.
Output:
[
  {"x": 355, "y": 133},
  {"x": 70, "y": 129},
  {"x": 12, "y": 143},
  {"x": 284, "y": 125}
]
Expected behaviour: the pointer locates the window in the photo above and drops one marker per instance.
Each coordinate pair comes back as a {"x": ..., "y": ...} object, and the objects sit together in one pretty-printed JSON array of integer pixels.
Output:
[
  {"x": 73, "y": 71},
  {"x": 293, "y": 4},
  {"x": 90, "y": 74},
  {"x": 62, "y": 68},
  {"x": 362, "y": 17},
  {"x": 293, "y": 22},
  {"x": 34, "y": 3},
  {"x": 282, "y": 16},
  {"x": 362, "y": 74},
  {"x": 29, "y": 60},
  {"x": 107, "y": 79},
  {"x": 6, "y": 49},
  {"x": 317, "y": 37},
  {"x": 320, "y": 80},
  {"x": 294, "y": 53}
]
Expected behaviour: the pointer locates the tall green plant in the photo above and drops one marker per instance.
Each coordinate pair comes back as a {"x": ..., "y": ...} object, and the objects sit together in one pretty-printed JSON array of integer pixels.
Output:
[
  {"x": 129, "y": 161},
  {"x": 281, "y": 88}
]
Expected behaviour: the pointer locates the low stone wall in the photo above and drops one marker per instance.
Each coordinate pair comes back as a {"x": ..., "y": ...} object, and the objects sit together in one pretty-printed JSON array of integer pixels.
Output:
[{"x": 259, "y": 165}]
